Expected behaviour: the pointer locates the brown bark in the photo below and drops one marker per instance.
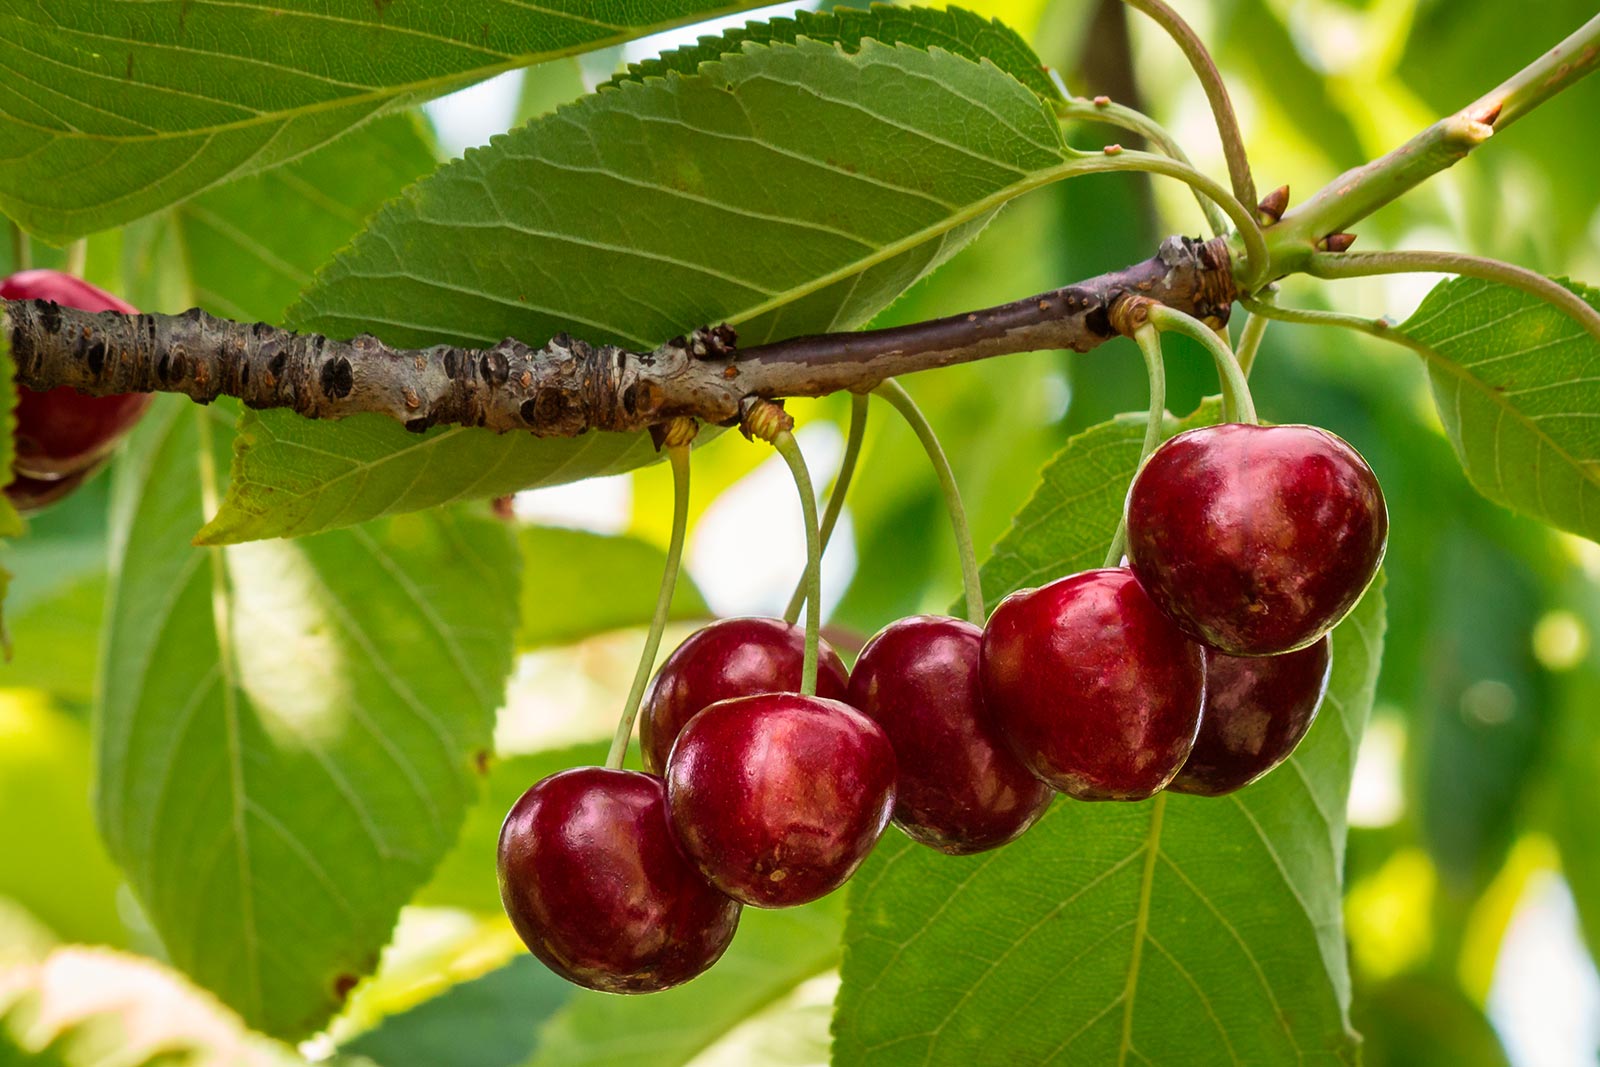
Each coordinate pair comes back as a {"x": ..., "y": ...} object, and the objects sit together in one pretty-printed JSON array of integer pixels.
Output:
[{"x": 567, "y": 386}]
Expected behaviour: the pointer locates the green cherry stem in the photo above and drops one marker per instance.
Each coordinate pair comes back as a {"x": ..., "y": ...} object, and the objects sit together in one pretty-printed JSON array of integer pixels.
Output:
[
  {"x": 1255, "y": 328},
  {"x": 21, "y": 249},
  {"x": 895, "y": 394},
  {"x": 841, "y": 485},
  {"x": 1334, "y": 265},
  {"x": 1149, "y": 341},
  {"x": 678, "y": 457},
  {"x": 1237, "y": 404},
  {"x": 789, "y": 449}
]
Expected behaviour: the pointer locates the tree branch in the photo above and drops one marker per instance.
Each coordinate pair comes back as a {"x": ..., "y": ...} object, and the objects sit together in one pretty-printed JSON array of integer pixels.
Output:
[{"x": 567, "y": 387}]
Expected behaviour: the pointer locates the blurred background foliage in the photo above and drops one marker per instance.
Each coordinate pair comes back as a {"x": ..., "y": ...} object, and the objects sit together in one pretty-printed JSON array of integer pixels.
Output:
[{"x": 1473, "y": 880}]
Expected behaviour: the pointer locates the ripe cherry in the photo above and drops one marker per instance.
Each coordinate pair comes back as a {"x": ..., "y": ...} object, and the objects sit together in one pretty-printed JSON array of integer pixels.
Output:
[
  {"x": 1257, "y": 710},
  {"x": 730, "y": 658},
  {"x": 960, "y": 788},
  {"x": 1096, "y": 690},
  {"x": 1257, "y": 540},
  {"x": 61, "y": 432},
  {"x": 779, "y": 797},
  {"x": 598, "y": 888}
]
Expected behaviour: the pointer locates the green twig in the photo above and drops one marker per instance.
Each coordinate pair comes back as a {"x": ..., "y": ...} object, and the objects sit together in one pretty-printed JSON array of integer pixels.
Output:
[
  {"x": 1357, "y": 193},
  {"x": 1103, "y": 110},
  {"x": 789, "y": 449},
  {"x": 841, "y": 485},
  {"x": 1237, "y": 404},
  {"x": 1149, "y": 341},
  {"x": 895, "y": 394},
  {"x": 1366, "y": 264},
  {"x": 1205, "y": 68},
  {"x": 678, "y": 457}
]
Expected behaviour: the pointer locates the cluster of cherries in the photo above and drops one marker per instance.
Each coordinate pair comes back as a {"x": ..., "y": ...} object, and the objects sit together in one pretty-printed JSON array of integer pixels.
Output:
[
  {"x": 62, "y": 436},
  {"x": 1197, "y": 667}
]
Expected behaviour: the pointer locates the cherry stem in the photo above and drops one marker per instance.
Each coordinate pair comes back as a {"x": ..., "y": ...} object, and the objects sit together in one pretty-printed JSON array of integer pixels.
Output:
[
  {"x": 1149, "y": 341},
  {"x": 1205, "y": 68},
  {"x": 895, "y": 394},
  {"x": 1255, "y": 328},
  {"x": 1237, "y": 404},
  {"x": 1102, "y": 110},
  {"x": 789, "y": 449},
  {"x": 1365, "y": 264},
  {"x": 841, "y": 485},
  {"x": 678, "y": 457}
]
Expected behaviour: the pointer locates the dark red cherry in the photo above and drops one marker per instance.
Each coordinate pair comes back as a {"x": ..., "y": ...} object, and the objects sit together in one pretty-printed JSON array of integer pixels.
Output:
[
  {"x": 730, "y": 658},
  {"x": 598, "y": 888},
  {"x": 30, "y": 495},
  {"x": 960, "y": 788},
  {"x": 1257, "y": 540},
  {"x": 1257, "y": 710},
  {"x": 61, "y": 432},
  {"x": 1096, "y": 690},
  {"x": 778, "y": 797}
]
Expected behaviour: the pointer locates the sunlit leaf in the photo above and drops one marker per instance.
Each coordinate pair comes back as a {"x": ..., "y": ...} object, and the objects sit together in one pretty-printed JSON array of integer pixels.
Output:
[{"x": 288, "y": 732}]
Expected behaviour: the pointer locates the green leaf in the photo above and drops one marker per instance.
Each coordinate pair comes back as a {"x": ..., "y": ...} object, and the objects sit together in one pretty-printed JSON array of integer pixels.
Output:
[
  {"x": 1066, "y": 526},
  {"x": 1182, "y": 929},
  {"x": 773, "y": 953},
  {"x": 1517, "y": 384},
  {"x": 954, "y": 29},
  {"x": 490, "y": 1021},
  {"x": 580, "y": 584},
  {"x": 85, "y": 1007},
  {"x": 288, "y": 732},
  {"x": 254, "y": 244},
  {"x": 112, "y": 111},
  {"x": 786, "y": 189}
]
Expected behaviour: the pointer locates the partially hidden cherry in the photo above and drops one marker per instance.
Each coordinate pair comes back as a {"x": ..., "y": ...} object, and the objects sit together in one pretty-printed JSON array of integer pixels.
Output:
[
  {"x": 960, "y": 788},
  {"x": 598, "y": 888},
  {"x": 1258, "y": 708},
  {"x": 779, "y": 797},
  {"x": 1096, "y": 690},
  {"x": 729, "y": 658},
  {"x": 1257, "y": 540},
  {"x": 61, "y": 432}
]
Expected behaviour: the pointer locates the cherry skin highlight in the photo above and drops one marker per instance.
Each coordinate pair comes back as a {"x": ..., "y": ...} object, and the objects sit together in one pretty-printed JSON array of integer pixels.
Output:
[
  {"x": 1096, "y": 690},
  {"x": 729, "y": 658},
  {"x": 1257, "y": 540},
  {"x": 779, "y": 797},
  {"x": 61, "y": 432},
  {"x": 31, "y": 495},
  {"x": 1257, "y": 709},
  {"x": 598, "y": 888},
  {"x": 960, "y": 788}
]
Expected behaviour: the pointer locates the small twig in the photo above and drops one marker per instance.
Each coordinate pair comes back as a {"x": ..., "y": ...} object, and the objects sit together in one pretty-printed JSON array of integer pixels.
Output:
[
  {"x": 1367, "y": 264},
  {"x": 1205, "y": 68}
]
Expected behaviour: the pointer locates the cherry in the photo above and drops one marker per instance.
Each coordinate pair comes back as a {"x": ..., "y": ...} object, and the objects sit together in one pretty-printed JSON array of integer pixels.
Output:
[
  {"x": 730, "y": 658},
  {"x": 779, "y": 797},
  {"x": 598, "y": 888},
  {"x": 1097, "y": 691},
  {"x": 1257, "y": 540},
  {"x": 29, "y": 495},
  {"x": 960, "y": 788},
  {"x": 1257, "y": 710},
  {"x": 61, "y": 432}
]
